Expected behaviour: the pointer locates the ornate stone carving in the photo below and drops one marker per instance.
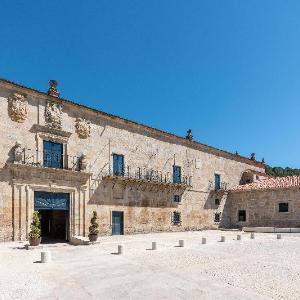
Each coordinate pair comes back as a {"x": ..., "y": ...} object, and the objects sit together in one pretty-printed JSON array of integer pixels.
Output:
[
  {"x": 189, "y": 135},
  {"x": 83, "y": 128},
  {"x": 18, "y": 153},
  {"x": 82, "y": 162},
  {"x": 53, "y": 88},
  {"x": 17, "y": 108},
  {"x": 53, "y": 115}
]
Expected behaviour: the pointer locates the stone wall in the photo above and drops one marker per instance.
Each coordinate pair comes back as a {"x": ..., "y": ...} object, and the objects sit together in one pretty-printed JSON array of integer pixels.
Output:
[
  {"x": 35, "y": 117},
  {"x": 262, "y": 208}
]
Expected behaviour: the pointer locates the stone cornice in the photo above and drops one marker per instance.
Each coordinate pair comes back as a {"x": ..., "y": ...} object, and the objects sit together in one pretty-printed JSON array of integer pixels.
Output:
[
  {"x": 153, "y": 132},
  {"x": 45, "y": 129},
  {"x": 31, "y": 173}
]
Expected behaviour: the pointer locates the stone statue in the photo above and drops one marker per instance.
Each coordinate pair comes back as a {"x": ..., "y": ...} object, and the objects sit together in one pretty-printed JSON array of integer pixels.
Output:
[
  {"x": 18, "y": 153},
  {"x": 53, "y": 115},
  {"x": 17, "y": 108},
  {"x": 82, "y": 162},
  {"x": 189, "y": 135},
  {"x": 253, "y": 157},
  {"x": 83, "y": 128},
  {"x": 53, "y": 88}
]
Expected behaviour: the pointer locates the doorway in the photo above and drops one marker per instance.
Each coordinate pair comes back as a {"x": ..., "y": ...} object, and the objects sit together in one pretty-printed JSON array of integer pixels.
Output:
[
  {"x": 53, "y": 210},
  {"x": 117, "y": 223}
]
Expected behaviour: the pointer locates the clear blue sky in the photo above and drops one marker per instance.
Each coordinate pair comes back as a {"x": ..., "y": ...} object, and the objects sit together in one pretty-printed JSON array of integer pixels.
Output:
[{"x": 230, "y": 70}]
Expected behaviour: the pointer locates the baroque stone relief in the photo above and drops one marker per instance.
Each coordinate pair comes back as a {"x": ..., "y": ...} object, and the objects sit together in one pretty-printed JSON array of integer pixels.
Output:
[
  {"x": 83, "y": 128},
  {"x": 17, "y": 107},
  {"x": 53, "y": 115},
  {"x": 18, "y": 152}
]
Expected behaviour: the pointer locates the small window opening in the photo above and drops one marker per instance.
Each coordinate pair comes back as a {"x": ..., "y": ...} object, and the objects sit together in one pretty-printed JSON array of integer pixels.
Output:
[{"x": 242, "y": 216}]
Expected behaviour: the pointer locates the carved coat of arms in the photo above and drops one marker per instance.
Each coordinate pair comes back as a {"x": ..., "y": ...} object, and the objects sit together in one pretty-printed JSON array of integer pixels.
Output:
[
  {"x": 53, "y": 115},
  {"x": 17, "y": 108},
  {"x": 83, "y": 128}
]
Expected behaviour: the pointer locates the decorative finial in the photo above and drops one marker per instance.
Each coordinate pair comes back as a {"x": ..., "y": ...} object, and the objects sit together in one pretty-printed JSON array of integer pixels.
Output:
[
  {"x": 253, "y": 156},
  {"x": 53, "y": 88},
  {"x": 263, "y": 161},
  {"x": 189, "y": 135},
  {"x": 236, "y": 153}
]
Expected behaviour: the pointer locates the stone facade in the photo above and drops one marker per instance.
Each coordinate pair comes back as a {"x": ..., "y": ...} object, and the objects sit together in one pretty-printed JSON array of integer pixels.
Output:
[
  {"x": 89, "y": 139},
  {"x": 262, "y": 208}
]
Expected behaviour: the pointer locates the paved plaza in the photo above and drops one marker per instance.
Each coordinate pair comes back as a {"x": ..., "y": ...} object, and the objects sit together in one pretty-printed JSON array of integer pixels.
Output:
[{"x": 260, "y": 268}]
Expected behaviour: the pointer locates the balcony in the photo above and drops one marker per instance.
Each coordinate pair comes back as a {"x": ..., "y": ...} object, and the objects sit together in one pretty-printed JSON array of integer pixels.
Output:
[
  {"x": 220, "y": 187},
  {"x": 49, "y": 160},
  {"x": 147, "y": 177},
  {"x": 28, "y": 164}
]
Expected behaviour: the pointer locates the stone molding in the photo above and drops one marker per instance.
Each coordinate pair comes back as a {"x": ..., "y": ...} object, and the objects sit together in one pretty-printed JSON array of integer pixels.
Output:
[
  {"x": 53, "y": 115},
  {"x": 18, "y": 108},
  {"x": 83, "y": 128},
  {"x": 20, "y": 172},
  {"x": 52, "y": 131}
]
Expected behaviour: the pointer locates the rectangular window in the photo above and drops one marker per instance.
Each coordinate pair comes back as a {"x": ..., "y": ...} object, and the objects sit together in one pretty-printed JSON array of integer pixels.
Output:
[
  {"x": 242, "y": 216},
  {"x": 52, "y": 155},
  {"x": 118, "y": 165},
  {"x": 217, "y": 217},
  {"x": 283, "y": 207},
  {"x": 177, "y": 198},
  {"x": 217, "y": 202},
  {"x": 176, "y": 218},
  {"x": 217, "y": 181},
  {"x": 176, "y": 174}
]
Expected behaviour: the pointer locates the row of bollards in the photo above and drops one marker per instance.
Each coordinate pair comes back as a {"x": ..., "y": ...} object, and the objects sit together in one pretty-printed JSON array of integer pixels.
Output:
[{"x": 46, "y": 255}]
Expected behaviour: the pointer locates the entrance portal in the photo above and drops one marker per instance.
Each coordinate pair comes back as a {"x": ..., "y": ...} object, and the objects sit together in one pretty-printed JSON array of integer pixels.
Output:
[{"x": 53, "y": 209}]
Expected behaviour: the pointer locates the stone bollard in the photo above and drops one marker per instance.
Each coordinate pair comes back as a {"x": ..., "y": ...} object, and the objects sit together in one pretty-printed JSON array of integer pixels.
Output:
[
  {"x": 154, "y": 246},
  {"x": 278, "y": 236},
  {"x": 203, "y": 241},
  {"x": 238, "y": 237},
  {"x": 181, "y": 243},
  {"x": 222, "y": 238},
  {"x": 45, "y": 257},
  {"x": 252, "y": 235},
  {"x": 120, "y": 249}
]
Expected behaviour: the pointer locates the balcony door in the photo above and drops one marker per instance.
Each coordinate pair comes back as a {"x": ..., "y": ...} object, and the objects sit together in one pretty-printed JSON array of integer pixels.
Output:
[{"x": 53, "y": 155}]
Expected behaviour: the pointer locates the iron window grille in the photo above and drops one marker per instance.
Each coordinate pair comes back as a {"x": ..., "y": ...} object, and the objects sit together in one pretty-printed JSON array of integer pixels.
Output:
[
  {"x": 176, "y": 218},
  {"x": 217, "y": 217},
  {"x": 177, "y": 198}
]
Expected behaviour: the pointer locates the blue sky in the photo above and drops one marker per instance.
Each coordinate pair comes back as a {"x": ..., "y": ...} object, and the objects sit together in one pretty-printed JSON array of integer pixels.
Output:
[{"x": 230, "y": 70}]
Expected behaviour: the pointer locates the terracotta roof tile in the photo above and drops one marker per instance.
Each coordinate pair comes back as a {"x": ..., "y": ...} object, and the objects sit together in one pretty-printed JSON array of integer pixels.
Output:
[{"x": 270, "y": 183}]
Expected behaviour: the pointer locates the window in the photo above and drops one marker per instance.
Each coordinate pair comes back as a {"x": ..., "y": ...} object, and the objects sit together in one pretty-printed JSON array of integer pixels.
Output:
[
  {"x": 177, "y": 198},
  {"x": 176, "y": 174},
  {"x": 242, "y": 216},
  {"x": 176, "y": 218},
  {"x": 217, "y": 181},
  {"x": 217, "y": 217},
  {"x": 52, "y": 155},
  {"x": 118, "y": 165},
  {"x": 217, "y": 202},
  {"x": 283, "y": 207}
]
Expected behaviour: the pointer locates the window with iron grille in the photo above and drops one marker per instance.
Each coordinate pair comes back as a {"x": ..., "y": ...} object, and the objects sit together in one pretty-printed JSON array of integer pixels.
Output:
[
  {"x": 242, "y": 215},
  {"x": 283, "y": 207},
  {"x": 176, "y": 218},
  {"x": 118, "y": 165},
  {"x": 52, "y": 155},
  {"x": 217, "y": 217},
  {"x": 217, "y": 181},
  {"x": 176, "y": 174},
  {"x": 177, "y": 198}
]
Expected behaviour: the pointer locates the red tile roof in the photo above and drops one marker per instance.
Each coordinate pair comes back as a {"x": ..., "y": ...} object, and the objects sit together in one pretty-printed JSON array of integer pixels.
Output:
[{"x": 270, "y": 183}]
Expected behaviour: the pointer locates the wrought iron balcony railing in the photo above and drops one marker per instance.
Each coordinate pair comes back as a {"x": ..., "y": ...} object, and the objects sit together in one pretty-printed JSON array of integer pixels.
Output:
[
  {"x": 150, "y": 175},
  {"x": 48, "y": 160},
  {"x": 223, "y": 186}
]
